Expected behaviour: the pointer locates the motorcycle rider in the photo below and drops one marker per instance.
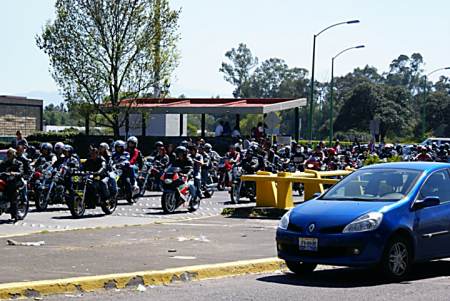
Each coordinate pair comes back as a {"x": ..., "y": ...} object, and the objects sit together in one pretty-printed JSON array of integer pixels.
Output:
[
  {"x": 96, "y": 164},
  {"x": 11, "y": 170},
  {"x": 121, "y": 158},
  {"x": 297, "y": 156},
  {"x": 161, "y": 159},
  {"x": 72, "y": 163},
  {"x": 213, "y": 155},
  {"x": 198, "y": 164},
  {"x": 136, "y": 158},
  {"x": 46, "y": 156},
  {"x": 205, "y": 167},
  {"x": 21, "y": 156},
  {"x": 250, "y": 162},
  {"x": 106, "y": 155},
  {"x": 423, "y": 155},
  {"x": 186, "y": 164},
  {"x": 59, "y": 150}
]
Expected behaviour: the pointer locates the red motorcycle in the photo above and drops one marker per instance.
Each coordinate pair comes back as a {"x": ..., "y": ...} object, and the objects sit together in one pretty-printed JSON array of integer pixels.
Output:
[{"x": 176, "y": 192}]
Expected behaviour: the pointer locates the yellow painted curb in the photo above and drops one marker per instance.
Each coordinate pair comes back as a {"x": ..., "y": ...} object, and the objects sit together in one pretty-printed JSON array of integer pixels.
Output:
[{"x": 119, "y": 281}]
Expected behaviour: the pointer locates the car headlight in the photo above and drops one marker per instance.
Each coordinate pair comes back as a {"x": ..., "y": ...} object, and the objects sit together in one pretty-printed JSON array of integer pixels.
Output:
[
  {"x": 367, "y": 222},
  {"x": 284, "y": 222},
  {"x": 168, "y": 181}
]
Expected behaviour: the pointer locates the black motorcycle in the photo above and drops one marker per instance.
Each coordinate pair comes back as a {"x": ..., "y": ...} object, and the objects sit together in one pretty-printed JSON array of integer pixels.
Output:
[
  {"x": 148, "y": 179},
  {"x": 88, "y": 196},
  {"x": 124, "y": 186},
  {"x": 50, "y": 188},
  {"x": 20, "y": 210}
]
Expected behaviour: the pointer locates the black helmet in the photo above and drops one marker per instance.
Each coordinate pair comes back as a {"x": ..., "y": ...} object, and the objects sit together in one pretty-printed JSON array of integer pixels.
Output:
[
  {"x": 68, "y": 148},
  {"x": 181, "y": 150},
  {"x": 46, "y": 146}
]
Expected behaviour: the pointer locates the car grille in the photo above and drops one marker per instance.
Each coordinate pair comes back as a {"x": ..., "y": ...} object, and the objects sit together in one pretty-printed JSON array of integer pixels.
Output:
[
  {"x": 323, "y": 252},
  {"x": 325, "y": 230},
  {"x": 294, "y": 228},
  {"x": 332, "y": 230}
]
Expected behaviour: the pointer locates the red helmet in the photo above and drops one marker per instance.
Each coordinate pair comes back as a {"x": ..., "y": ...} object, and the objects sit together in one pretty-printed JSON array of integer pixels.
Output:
[{"x": 331, "y": 151}]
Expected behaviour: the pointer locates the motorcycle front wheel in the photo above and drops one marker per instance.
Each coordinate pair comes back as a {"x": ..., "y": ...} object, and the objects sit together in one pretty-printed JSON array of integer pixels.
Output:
[
  {"x": 169, "y": 202},
  {"x": 41, "y": 202},
  {"x": 21, "y": 207},
  {"x": 77, "y": 207},
  {"x": 109, "y": 205}
]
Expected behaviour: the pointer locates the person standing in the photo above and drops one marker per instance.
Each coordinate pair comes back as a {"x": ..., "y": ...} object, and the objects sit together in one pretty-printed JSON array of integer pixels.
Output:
[{"x": 219, "y": 129}]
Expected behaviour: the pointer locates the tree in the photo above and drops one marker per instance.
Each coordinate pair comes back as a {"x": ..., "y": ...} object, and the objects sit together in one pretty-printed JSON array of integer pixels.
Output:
[
  {"x": 237, "y": 71},
  {"x": 389, "y": 105},
  {"x": 100, "y": 48}
]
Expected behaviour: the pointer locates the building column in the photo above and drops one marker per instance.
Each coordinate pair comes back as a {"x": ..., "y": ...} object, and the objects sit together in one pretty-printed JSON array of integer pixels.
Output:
[
  {"x": 181, "y": 125},
  {"x": 127, "y": 124},
  {"x": 203, "y": 125},
  {"x": 238, "y": 121},
  {"x": 144, "y": 124},
  {"x": 296, "y": 123}
]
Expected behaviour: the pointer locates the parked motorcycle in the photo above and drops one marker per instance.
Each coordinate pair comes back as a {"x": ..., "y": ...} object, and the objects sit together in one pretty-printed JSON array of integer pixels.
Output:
[
  {"x": 176, "y": 192},
  {"x": 87, "y": 196},
  {"x": 22, "y": 205}
]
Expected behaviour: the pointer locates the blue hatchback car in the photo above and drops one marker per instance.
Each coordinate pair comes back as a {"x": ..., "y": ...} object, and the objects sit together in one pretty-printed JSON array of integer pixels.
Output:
[{"x": 387, "y": 215}]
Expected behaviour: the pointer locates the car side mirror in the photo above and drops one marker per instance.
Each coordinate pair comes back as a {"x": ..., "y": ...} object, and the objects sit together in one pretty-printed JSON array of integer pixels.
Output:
[
  {"x": 316, "y": 195},
  {"x": 429, "y": 201}
]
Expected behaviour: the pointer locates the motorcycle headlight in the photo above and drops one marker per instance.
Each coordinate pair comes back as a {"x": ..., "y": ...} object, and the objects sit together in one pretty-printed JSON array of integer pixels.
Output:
[
  {"x": 367, "y": 222},
  {"x": 168, "y": 181},
  {"x": 284, "y": 221}
]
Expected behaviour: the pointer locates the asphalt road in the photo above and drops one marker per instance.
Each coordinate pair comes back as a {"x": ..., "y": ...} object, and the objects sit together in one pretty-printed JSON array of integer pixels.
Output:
[
  {"x": 429, "y": 282},
  {"x": 146, "y": 211}
]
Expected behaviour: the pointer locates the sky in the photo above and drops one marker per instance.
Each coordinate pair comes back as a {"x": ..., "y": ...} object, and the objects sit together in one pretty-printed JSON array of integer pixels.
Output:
[{"x": 270, "y": 28}]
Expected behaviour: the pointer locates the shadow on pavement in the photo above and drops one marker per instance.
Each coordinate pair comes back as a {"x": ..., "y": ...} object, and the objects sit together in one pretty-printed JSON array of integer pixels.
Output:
[
  {"x": 351, "y": 277},
  {"x": 86, "y": 216}
]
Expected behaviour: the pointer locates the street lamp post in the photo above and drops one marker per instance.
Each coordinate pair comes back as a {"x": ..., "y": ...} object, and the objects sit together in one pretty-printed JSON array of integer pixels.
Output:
[
  {"x": 311, "y": 100},
  {"x": 332, "y": 86},
  {"x": 425, "y": 94}
]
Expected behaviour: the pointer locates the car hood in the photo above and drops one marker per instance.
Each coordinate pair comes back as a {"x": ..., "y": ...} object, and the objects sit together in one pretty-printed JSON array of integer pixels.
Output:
[{"x": 331, "y": 216}]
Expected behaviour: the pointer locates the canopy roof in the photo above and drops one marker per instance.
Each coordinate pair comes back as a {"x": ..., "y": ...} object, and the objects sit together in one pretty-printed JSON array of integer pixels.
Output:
[{"x": 214, "y": 105}]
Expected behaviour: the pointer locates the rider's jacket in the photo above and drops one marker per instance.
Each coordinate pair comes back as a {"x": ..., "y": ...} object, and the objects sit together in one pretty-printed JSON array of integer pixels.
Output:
[
  {"x": 43, "y": 159},
  {"x": 13, "y": 165},
  {"x": 120, "y": 158},
  {"x": 97, "y": 166},
  {"x": 186, "y": 165},
  {"x": 26, "y": 164},
  {"x": 136, "y": 157}
]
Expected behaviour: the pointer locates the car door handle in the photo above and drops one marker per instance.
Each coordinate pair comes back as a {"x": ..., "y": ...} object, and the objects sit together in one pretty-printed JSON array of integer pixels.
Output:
[{"x": 430, "y": 235}]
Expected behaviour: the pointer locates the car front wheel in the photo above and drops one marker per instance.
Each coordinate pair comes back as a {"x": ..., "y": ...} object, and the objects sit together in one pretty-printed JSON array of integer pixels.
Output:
[
  {"x": 397, "y": 259},
  {"x": 301, "y": 268}
]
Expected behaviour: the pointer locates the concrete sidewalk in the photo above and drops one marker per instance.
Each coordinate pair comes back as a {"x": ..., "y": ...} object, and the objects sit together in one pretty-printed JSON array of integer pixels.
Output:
[{"x": 137, "y": 248}]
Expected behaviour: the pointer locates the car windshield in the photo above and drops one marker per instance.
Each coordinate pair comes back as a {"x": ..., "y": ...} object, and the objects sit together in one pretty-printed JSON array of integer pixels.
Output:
[{"x": 386, "y": 185}]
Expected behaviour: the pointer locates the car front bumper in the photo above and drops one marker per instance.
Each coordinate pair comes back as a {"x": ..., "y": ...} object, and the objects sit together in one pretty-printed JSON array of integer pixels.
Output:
[{"x": 349, "y": 249}]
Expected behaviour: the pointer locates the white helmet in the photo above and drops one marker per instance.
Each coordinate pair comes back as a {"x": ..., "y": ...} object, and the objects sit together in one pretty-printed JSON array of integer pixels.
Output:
[
  {"x": 59, "y": 145},
  {"x": 120, "y": 143},
  {"x": 133, "y": 139},
  {"x": 104, "y": 145}
]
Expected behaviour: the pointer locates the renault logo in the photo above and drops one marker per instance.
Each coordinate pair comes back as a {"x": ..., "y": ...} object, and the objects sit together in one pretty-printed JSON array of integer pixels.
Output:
[{"x": 311, "y": 227}]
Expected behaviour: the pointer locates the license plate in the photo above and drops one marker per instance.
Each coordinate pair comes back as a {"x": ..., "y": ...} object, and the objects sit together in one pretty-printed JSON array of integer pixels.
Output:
[{"x": 308, "y": 244}]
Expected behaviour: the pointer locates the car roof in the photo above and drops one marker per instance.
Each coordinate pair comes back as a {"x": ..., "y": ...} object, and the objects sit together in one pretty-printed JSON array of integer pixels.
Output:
[{"x": 422, "y": 166}]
